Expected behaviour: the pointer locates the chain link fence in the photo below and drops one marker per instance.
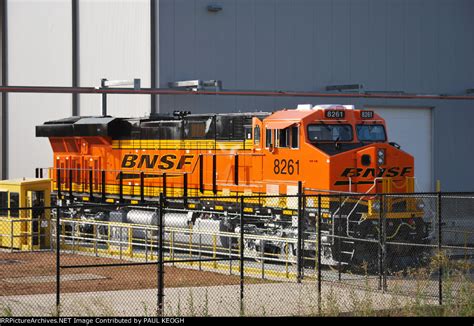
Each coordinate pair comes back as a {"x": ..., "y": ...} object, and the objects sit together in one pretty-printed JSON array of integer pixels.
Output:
[{"x": 307, "y": 254}]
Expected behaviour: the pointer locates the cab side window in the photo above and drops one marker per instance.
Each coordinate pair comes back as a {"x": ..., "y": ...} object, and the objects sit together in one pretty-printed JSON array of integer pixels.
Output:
[
  {"x": 14, "y": 204},
  {"x": 268, "y": 138},
  {"x": 3, "y": 203},
  {"x": 282, "y": 137}
]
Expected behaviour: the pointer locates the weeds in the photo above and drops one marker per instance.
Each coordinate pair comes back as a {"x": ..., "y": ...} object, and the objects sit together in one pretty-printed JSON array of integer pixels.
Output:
[
  {"x": 205, "y": 311},
  {"x": 6, "y": 311}
]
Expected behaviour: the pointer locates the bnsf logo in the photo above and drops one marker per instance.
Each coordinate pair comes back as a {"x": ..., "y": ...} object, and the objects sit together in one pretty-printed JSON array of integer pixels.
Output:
[
  {"x": 371, "y": 172},
  {"x": 165, "y": 162}
]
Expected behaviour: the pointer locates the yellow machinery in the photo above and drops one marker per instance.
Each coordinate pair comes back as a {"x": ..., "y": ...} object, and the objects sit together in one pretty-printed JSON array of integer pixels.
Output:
[{"x": 24, "y": 221}]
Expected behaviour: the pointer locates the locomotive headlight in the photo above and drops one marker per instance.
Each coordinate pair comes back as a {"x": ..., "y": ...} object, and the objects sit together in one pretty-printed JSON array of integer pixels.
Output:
[{"x": 381, "y": 156}]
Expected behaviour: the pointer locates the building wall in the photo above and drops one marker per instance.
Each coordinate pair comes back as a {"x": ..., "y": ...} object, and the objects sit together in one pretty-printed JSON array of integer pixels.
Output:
[
  {"x": 415, "y": 46},
  {"x": 39, "y": 54},
  {"x": 114, "y": 43}
]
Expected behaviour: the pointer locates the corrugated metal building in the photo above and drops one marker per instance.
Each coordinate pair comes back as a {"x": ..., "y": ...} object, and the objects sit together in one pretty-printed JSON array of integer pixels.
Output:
[{"x": 413, "y": 46}]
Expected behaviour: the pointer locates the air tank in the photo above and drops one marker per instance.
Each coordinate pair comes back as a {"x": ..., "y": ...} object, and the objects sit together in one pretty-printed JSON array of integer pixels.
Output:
[
  {"x": 136, "y": 216},
  {"x": 173, "y": 220},
  {"x": 209, "y": 225},
  {"x": 180, "y": 221}
]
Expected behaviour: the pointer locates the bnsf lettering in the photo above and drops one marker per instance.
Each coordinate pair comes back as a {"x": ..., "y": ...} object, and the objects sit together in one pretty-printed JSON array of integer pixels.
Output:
[
  {"x": 129, "y": 161},
  {"x": 371, "y": 172},
  {"x": 147, "y": 161},
  {"x": 184, "y": 160},
  {"x": 165, "y": 162}
]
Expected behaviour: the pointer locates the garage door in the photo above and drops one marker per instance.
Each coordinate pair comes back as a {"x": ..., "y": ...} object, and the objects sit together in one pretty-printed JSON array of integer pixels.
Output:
[{"x": 411, "y": 128}]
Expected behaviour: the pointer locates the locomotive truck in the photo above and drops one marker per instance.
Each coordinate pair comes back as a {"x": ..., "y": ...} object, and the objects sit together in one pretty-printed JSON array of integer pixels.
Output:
[{"x": 205, "y": 161}]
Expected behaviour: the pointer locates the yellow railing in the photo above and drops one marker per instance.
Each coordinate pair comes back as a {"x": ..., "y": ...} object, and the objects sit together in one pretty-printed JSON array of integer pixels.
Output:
[{"x": 119, "y": 241}]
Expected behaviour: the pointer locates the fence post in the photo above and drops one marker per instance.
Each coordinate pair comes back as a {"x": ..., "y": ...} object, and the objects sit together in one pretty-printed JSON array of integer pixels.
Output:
[
  {"x": 160, "y": 257},
  {"x": 299, "y": 235},
  {"x": 58, "y": 261},
  {"x": 338, "y": 232},
  {"x": 380, "y": 251},
  {"x": 384, "y": 244},
  {"x": 319, "y": 253},
  {"x": 440, "y": 242},
  {"x": 241, "y": 254}
]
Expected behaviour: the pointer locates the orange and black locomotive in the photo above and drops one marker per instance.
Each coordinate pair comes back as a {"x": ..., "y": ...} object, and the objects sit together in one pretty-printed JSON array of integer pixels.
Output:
[{"x": 323, "y": 149}]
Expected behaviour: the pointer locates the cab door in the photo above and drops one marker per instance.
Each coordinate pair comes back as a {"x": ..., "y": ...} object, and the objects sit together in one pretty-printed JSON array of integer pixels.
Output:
[{"x": 255, "y": 173}]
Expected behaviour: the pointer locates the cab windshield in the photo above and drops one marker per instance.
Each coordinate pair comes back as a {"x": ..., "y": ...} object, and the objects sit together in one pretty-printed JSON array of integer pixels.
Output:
[
  {"x": 326, "y": 132},
  {"x": 371, "y": 133}
]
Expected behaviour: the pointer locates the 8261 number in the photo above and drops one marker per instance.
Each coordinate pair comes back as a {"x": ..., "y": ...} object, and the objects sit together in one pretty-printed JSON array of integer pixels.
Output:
[{"x": 286, "y": 167}]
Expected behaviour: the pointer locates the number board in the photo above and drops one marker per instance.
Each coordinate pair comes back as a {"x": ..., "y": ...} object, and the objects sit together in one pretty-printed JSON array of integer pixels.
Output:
[
  {"x": 366, "y": 114},
  {"x": 335, "y": 114}
]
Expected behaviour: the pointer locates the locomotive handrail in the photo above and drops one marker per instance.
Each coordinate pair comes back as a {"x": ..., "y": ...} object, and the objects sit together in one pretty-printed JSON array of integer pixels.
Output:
[
  {"x": 79, "y": 238},
  {"x": 168, "y": 174},
  {"x": 136, "y": 171},
  {"x": 360, "y": 198},
  {"x": 175, "y": 229},
  {"x": 333, "y": 191}
]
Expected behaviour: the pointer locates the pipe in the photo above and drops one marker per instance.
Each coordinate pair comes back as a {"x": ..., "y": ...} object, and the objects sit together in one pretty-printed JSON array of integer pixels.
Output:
[{"x": 167, "y": 91}]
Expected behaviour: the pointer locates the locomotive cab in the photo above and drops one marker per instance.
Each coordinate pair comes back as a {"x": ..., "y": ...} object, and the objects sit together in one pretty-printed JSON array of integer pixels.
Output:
[{"x": 348, "y": 148}]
